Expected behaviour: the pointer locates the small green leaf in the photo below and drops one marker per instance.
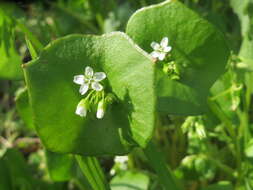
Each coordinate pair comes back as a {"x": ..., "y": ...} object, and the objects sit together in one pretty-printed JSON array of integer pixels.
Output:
[
  {"x": 198, "y": 48},
  {"x": 128, "y": 122},
  {"x": 32, "y": 50},
  {"x": 130, "y": 180}
]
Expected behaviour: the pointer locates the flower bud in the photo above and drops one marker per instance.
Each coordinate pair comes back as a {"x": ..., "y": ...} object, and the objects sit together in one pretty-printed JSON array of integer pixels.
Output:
[
  {"x": 101, "y": 109},
  {"x": 82, "y": 108}
]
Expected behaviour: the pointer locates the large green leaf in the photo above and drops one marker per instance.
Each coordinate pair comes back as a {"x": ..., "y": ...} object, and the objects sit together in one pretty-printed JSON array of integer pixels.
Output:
[
  {"x": 10, "y": 61},
  {"x": 197, "y": 47},
  {"x": 61, "y": 167},
  {"x": 127, "y": 123}
]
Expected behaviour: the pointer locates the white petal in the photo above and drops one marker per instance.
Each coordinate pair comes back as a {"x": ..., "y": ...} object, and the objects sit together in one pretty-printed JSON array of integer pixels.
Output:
[
  {"x": 167, "y": 49},
  {"x": 88, "y": 72},
  {"x": 155, "y": 54},
  {"x": 99, "y": 76},
  {"x": 155, "y": 45},
  {"x": 81, "y": 110},
  {"x": 161, "y": 56},
  {"x": 100, "y": 113},
  {"x": 164, "y": 42},
  {"x": 84, "y": 88},
  {"x": 79, "y": 79},
  {"x": 96, "y": 86}
]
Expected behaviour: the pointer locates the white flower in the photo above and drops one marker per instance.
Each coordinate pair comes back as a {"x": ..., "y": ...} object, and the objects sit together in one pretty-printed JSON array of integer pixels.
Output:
[
  {"x": 101, "y": 109},
  {"x": 89, "y": 80},
  {"x": 82, "y": 108},
  {"x": 160, "y": 50}
]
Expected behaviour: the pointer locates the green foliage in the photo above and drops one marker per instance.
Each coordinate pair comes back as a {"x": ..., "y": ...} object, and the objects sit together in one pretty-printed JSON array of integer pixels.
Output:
[
  {"x": 198, "y": 48},
  {"x": 129, "y": 76}
]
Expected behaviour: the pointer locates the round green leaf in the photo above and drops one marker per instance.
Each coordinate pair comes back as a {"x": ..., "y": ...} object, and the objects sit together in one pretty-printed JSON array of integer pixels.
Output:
[
  {"x": 54, "y": 96},
  {"x": 197, "y": 47}
]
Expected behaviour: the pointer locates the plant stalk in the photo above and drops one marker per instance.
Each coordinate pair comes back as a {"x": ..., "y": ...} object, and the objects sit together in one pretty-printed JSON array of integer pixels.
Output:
[{"x": 157, "y": 162}]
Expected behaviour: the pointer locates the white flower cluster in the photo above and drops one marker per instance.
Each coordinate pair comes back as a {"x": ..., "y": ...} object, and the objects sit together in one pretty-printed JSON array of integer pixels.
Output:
[
  {"x": 160, "y": 50},
  {"x": 90, "y": 80}
]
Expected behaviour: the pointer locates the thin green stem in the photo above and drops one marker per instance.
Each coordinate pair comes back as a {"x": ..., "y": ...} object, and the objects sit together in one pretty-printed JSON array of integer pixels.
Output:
[
  {"x": 157, "y": 162},
  {"x": 222, "y": 116},
  {"x": 222, "y": 166},
  {"x": 249, "y": 89},
  {"x": 225, "y": 92}
]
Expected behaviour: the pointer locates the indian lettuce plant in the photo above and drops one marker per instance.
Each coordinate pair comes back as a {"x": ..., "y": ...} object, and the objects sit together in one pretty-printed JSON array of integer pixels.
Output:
[{"x": 101, "y": 95}]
